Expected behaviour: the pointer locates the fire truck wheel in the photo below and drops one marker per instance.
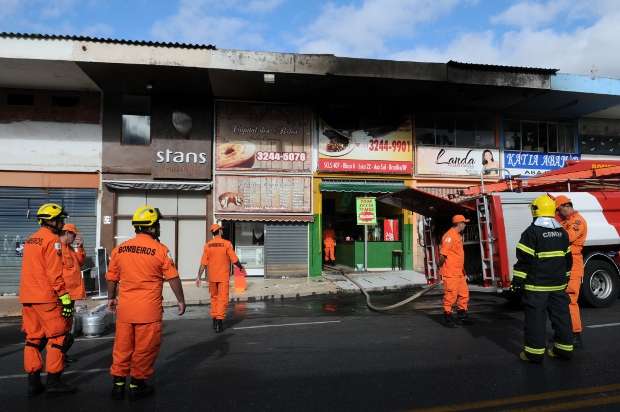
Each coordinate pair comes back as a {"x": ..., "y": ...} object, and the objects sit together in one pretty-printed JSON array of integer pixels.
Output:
[{"x": 601, "y": 284}]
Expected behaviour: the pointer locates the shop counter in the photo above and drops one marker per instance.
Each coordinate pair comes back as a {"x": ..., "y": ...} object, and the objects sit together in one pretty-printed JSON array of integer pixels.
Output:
[{"x": 379, "y": 253}]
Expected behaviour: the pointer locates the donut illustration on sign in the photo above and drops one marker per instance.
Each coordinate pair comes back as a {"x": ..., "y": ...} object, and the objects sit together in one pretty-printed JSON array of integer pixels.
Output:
[{"x": 236, "y": 155}]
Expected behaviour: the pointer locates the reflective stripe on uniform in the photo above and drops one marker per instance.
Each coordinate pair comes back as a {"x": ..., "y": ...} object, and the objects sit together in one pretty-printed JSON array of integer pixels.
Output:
[
  {"x": 567, "y": 348},
  {"x": 526, "y": 249},
  {"x": 555, "y": 253},
  {"x": 533, "y": 288},
  {"x": 534, "y": 351},
  {"x": 568, "y": 274},
  {"x": 568, "y": 250},
  {"x": 519, "y": 274}
]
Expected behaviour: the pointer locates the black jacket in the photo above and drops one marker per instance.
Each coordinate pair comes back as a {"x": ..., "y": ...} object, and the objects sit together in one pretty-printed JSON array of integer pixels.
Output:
[{"x": 543, "y": 257}]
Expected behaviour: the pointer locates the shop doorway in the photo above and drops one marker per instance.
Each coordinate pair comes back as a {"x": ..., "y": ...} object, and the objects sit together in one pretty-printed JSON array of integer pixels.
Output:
[
  {"x": 385, "y": 244},
  {"x": 248, "y": 239}
]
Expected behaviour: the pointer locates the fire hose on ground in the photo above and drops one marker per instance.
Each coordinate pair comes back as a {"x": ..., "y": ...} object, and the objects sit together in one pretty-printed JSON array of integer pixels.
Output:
[{"x": 384, "y": 308}]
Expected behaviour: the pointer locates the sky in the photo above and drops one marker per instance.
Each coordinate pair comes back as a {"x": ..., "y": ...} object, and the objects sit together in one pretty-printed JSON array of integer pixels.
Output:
[{"x": 575, "y": 36}]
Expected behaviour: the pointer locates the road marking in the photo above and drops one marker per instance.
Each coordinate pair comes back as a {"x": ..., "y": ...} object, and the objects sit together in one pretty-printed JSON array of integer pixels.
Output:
[
  {"x": 603, "y": 325},
  {"x": 23, "y": 375},
  {"x": 572, "y": 405},
  {"x": 523, "y": 399},
  {"x": 287, "y": 324}
]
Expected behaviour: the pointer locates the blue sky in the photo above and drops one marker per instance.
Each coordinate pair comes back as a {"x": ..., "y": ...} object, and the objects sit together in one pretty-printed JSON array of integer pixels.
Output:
[{"x": 576, "y": 36}]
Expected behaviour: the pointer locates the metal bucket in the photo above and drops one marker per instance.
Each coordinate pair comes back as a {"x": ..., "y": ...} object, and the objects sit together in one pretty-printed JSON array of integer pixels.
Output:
[{"x": 94, "y": 323}]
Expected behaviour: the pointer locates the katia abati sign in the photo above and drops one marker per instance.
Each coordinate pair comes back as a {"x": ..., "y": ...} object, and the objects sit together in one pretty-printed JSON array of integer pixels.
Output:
[
  {"x": 535, "y": 163},
  {"x": 453, "y": 161}
]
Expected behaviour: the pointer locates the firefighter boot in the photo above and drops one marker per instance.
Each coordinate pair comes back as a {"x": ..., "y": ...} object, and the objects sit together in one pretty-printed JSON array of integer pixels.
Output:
[
  {"x": 215, "y": 324},
  {"x": 220, "y": 326},
  {"x": 35, "y": 386},
  {"x": 448, "y": 320},
  {"x": 55, "y": 386},
  {"x": 118, "y": 388},
  {"x": 462, "y": 318},
  {"x": 534, "y": 359},
  {"x": 577, "y": 342},
  {"x": 138, "y": 389}
]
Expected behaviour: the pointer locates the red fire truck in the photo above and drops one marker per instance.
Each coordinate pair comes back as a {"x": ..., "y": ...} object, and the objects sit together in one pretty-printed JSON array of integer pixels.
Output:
[{"x": 500, "y": 213}]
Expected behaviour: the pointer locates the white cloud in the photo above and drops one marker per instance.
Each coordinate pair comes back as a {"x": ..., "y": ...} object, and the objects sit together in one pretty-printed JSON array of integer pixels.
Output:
[
  {"x": 365, "y": 30},
  {"x": 98, "y": 30},
  {"x": 57, "y": 8},
  {"x": 262, "y": 6},
  {"x": 576, "y": 51},
  {"x": 530, "y": 13},
  {"x": 8, "y": 7},
  {"x": 193, "y": 23}
]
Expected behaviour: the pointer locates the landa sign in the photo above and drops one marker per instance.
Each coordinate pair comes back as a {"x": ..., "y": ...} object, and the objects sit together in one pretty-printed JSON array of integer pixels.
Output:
[
  {"x": 454, "y": 161},
  {"x": 181, "y": 159}
]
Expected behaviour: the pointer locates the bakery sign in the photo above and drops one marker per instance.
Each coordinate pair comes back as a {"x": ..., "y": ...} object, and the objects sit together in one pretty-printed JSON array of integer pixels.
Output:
[
  {"x": 263, "y": 194},
  {"x": 534, "y": 163},
  {"x": 377, "y": 149},
  {"x": 452, "y": 161},
  {"x": 180, "y": 159},
  {"x": 262, "y": 137}
]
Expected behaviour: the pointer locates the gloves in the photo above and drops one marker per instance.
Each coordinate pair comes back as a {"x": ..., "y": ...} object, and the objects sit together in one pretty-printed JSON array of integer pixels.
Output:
[{"x": 67, "y": 305}]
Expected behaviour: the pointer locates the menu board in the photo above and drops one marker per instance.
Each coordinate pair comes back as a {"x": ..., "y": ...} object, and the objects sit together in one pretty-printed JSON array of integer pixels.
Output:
[
  {"x": 384, "y": 149},
  {"x": 262, "y": 194},
  {"x": 262, "y": 137}
]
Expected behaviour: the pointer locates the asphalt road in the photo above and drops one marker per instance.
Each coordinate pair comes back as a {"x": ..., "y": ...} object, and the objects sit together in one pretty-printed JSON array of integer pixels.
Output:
[{"x": 332, "y": 354}]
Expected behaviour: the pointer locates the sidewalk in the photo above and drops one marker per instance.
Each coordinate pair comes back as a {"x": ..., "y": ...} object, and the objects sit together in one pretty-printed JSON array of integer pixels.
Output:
[{"x": 259, "y": 289}]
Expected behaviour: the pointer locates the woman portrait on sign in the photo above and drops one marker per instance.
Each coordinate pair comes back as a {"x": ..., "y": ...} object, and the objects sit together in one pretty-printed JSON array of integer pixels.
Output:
[{"x": 488, "y": 163}]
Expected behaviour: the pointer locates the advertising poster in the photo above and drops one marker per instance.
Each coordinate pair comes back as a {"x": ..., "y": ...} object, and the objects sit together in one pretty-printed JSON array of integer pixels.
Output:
[
  {"x": 535, "y": 163},
  {"x": 262, "y": 194},
  {"x": 379, "y": 150},
  {"x": 366, "y": 208},
  {"x": 451, "y": 161},
  {"x": 262, "y": 137}
]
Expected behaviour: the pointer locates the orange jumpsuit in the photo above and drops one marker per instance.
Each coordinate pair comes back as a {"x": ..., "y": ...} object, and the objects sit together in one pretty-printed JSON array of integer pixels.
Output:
[
  {"x": 41, "y": 284},
  {"x": 217, "y": 256},
  {"x": 72, "y": 261},
  {"x": 329, "y": 241},
  {"x": 140, "y": 265},
  {"x": 577, "y": 229},
  {"x": 453, "y": 271}
]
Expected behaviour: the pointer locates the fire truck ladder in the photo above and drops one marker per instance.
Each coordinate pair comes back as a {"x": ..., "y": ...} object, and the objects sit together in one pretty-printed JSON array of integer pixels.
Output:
[
  {"x": 486, "y": 241},
  {"x": 429, "y": 251}
]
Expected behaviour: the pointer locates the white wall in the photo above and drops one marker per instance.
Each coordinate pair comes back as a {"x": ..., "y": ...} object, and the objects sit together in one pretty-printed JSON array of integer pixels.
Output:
[{"x": 50, "y": 146}]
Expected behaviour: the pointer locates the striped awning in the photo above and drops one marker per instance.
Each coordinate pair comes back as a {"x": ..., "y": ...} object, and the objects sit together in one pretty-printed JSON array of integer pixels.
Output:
[{"x": 362, "y": 186}]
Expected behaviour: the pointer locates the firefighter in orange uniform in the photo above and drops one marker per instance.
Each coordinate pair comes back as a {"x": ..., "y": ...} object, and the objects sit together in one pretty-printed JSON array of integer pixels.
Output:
[
  {"x": 72, "y": 260},
  {"x": 452, "y": 271},
  {"x": 46, "y": 303},
  {"x": 217, "y": 256},
  {"x": 577, "y": 229},
  {"x": 329, "y": 241},
  {"x": 136, "y": 273}
]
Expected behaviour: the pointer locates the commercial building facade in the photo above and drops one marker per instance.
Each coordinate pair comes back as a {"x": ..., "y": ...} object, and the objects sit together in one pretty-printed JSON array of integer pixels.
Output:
[{"x": 274, "y": 146}]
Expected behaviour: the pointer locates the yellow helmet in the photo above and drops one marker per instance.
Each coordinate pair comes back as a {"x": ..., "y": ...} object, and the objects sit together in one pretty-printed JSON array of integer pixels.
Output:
[
  {"x": 543, "y": 206},
  {"x": 146, "y": 216},
  {"x": 49, "y": 211}
]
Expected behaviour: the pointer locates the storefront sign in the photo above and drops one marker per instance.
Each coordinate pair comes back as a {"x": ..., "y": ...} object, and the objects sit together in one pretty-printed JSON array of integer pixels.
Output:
[
  {"x": 450, "y": 161},
  {"x": 262, "y": 194},
  {"x": 366, "y": 210},
  {"x": 535, "y": 163},
  {"x": 381, "y": 150},
  {"x": 181, "y": 159},
  {"x": 268, "y": 137}
]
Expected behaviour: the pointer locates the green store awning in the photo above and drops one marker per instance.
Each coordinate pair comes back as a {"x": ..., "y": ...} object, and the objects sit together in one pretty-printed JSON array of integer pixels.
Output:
[{"x": 361, "y": 186}]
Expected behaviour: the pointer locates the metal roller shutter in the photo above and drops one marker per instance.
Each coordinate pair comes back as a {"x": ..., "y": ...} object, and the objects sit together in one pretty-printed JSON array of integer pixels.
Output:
[
  {"x": 18, "y": 208},
  {"x": 286, "y": 250}
]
